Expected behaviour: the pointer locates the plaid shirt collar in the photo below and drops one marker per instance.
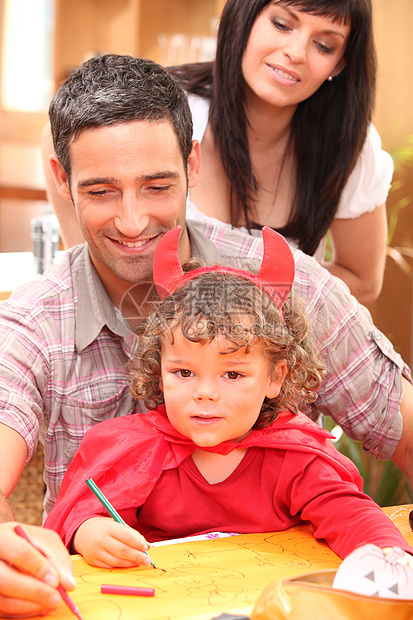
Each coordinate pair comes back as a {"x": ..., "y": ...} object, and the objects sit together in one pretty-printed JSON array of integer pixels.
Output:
[{"x": 95, "y": 309}]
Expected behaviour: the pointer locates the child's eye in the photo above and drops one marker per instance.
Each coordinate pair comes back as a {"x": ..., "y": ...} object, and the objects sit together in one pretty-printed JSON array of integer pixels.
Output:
[
  {"x": 232, "y": 375},
  {"x": 183, "y": 372}
]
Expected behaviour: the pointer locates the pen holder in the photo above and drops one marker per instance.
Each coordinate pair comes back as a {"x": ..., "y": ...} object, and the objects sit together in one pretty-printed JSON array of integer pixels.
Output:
[
  {"x": 312, "y": 596},
  {"x": 45, "y": 238}
]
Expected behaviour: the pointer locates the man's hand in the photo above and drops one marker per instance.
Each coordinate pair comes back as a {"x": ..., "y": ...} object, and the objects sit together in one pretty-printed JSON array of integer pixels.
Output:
[{"x": 28, "y": 579}]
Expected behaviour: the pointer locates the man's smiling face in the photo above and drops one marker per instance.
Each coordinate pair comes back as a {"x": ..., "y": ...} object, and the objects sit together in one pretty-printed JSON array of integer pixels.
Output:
[{"x": 129, "y": 184}]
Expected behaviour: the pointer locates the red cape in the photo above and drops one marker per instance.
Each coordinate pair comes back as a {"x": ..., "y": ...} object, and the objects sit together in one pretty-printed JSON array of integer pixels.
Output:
[{"x": 126, "y": 456}]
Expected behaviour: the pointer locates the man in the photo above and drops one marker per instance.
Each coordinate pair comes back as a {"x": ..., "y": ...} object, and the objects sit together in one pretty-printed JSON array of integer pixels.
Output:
[{"x": 122, "y": 134}]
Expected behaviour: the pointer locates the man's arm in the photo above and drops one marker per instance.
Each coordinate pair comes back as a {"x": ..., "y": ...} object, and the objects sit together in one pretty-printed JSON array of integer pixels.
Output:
[
  {"x": 28, "y": 579},
  {"x": 13, "y": 454},
  {"x": 403, "y": 455},
  {"x": 6, "y": 512}
]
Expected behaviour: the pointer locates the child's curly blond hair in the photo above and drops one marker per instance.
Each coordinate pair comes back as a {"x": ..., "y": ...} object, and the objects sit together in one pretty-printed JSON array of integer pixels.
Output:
[{"x": 222, "y": 304}]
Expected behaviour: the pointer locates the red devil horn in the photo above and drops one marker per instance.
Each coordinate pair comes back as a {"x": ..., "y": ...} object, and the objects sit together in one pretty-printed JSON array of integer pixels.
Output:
[
  {"x": 166, "y": 265},
  {"x": 276, "y": 275},
  {"x": 277, "y": 270}
]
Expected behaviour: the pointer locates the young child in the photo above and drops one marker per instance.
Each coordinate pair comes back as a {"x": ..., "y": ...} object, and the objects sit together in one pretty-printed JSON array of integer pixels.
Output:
[{"x": 224, "y": 362}]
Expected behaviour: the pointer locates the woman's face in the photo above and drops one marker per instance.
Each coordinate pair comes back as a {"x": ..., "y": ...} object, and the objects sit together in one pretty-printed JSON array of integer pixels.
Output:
[{"x": 290, "y": 53}]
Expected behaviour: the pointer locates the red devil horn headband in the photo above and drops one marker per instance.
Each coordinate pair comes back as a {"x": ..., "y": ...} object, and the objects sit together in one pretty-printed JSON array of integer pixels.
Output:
[{"x": 275, "y": 277}]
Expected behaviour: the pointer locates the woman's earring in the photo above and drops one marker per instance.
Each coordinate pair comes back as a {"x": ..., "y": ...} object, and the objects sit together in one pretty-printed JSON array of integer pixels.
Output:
[{"x": 330, "y": 78}]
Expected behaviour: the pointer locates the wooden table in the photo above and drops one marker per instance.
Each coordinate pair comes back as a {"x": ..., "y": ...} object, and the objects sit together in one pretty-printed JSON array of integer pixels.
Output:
[{"x": 204, "y": 579}]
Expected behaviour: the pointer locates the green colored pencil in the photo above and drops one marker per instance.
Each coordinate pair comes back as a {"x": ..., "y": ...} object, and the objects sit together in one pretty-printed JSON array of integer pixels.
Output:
[{"x": 106, "y": 503}]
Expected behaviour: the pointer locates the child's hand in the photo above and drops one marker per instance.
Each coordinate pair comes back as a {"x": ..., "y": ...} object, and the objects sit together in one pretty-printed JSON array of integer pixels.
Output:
[
  {"x": 369, "y": 570},
  {"x": 105, "y": 543},
  {"x": 405, "y": 559}
]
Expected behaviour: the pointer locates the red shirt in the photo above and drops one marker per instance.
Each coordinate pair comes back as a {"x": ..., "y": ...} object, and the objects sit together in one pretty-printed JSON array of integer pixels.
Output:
[
  {"x": 290, "y": 473},
  {"x": 270, "y": 490}
]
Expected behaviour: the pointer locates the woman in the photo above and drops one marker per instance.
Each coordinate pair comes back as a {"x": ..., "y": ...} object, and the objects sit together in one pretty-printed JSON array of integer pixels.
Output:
[
  {"x": 283, "y": 117},
  {"x": 284, "y": 121}
]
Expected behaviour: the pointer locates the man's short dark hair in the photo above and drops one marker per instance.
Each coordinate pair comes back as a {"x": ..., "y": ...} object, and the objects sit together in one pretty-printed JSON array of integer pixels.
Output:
[{"x": 111, "y": 89}]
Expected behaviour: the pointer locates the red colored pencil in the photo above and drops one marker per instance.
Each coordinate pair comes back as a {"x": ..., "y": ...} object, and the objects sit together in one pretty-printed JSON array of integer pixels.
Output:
[{"x": 130, "y": 590}]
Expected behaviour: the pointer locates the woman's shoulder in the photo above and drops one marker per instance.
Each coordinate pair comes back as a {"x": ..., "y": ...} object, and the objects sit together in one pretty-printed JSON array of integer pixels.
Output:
[{"x": 369, "y": 183}]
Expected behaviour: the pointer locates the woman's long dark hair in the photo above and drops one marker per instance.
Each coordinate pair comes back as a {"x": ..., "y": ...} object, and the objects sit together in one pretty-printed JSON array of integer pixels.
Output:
[{"x": 328, "y": 129}]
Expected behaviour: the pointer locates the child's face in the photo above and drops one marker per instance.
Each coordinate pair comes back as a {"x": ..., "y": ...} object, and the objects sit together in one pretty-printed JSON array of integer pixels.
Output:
[{"x": 211, "y": 397}]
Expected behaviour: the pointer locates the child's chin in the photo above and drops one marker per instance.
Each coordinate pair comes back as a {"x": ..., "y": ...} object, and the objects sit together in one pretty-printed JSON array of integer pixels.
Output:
[{"x": 206, "y": 443}]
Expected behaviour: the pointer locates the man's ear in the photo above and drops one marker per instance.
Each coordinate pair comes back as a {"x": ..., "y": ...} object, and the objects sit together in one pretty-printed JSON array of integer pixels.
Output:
[
  {"x": 194, "y": 164},
  {"x": 60, "y": 177},
  {"x": 339, "y": 67}
]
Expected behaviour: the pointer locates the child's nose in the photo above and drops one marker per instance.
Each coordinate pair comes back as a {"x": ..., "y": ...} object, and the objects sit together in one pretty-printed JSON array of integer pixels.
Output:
[{"x": 206, "y": 390}]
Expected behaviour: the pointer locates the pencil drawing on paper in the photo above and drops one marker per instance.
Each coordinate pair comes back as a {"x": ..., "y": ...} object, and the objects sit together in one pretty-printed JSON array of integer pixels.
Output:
[{"x": 211, "y": 576}]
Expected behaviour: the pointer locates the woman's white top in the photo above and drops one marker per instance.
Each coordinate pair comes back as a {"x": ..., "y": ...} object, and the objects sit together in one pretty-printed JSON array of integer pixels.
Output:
[{"x": 367, "y": 186}]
